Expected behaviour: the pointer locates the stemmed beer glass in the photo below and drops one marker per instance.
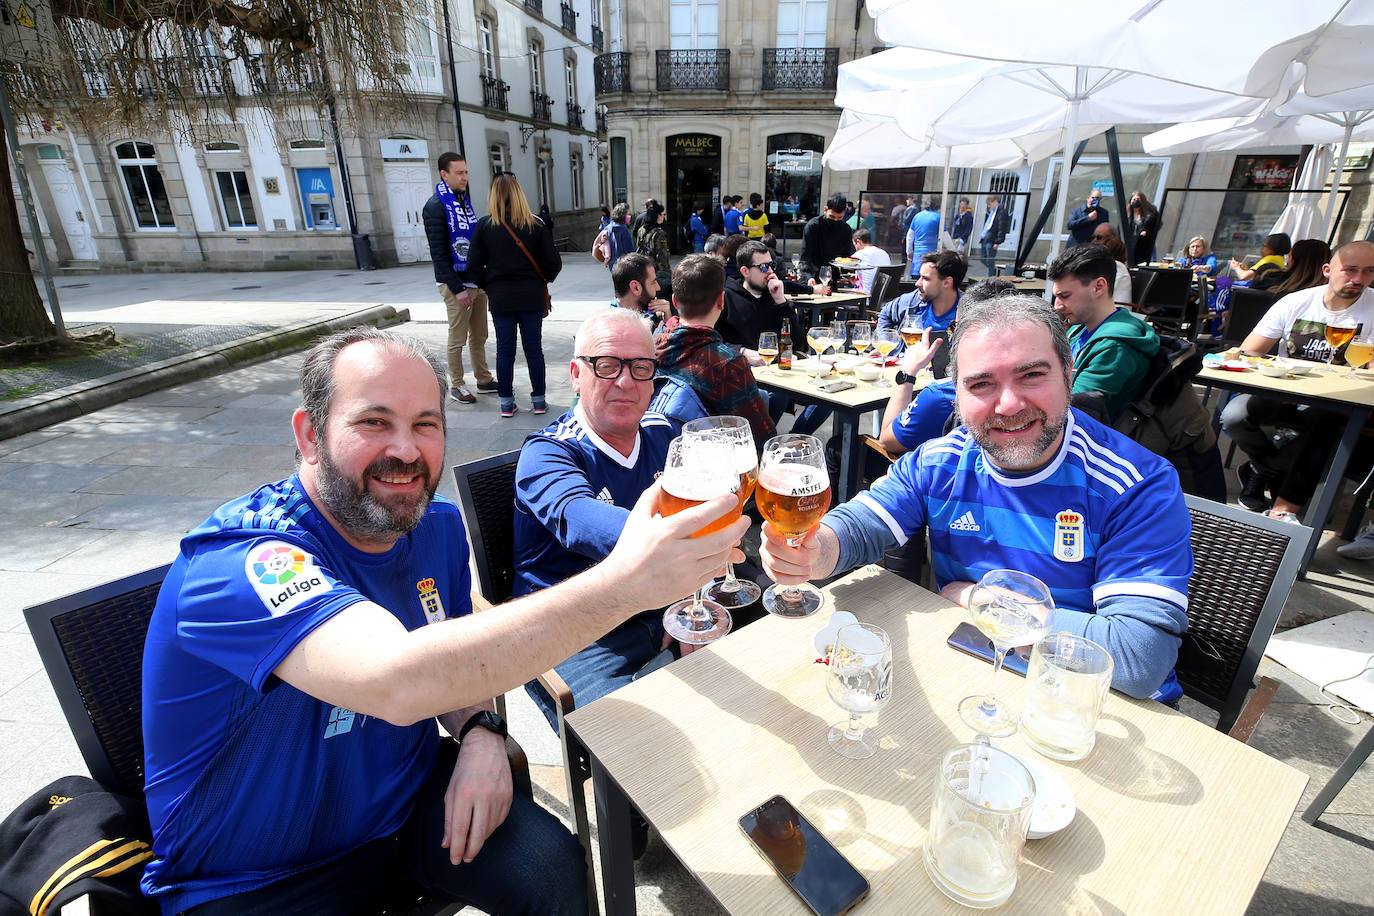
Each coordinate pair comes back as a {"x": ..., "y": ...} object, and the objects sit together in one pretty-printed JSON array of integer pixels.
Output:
[
  {"x": 732, "y": 592},
  {"x": 699, "y": 468},
  {"x": 862, "y": 335},
  {"x": 768, "y": 347},
  {"x": 1012, "y": 609},
  {"x": 1340, "y": 330},
  {"x": 793, "y": 493},
  {"x": 859, "y": 680},
  {"x": 885, "y": 341}
]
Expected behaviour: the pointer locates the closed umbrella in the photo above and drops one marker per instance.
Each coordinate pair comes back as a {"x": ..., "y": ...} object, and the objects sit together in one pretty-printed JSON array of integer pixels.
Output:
[{"x": 1301, "y": 217}]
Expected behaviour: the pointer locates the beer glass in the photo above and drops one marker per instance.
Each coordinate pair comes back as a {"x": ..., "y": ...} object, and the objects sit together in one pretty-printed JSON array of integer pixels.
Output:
[
  {"x": 1012, "y": 609},
  {"x": 1066, "y": 685},
  {"x": 793, "y": 493},
  {"x": 699, "y": 468},
  {"x": 732, "y": 592},
  {"x": 885, "y": 341},
  {"x": 861, "y": 332},
  {"x": 1359, "y": 351},
  {"x": 859, "y": 680},
  {"x": 978, "y": 822},
  {"x": 768, "y": 347},
  {"x": 910, "y": 329},
  {"x": 1340, "y": 330}
]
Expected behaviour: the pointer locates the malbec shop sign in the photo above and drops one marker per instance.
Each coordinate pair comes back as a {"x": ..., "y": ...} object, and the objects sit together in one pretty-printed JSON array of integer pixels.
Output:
[{"x": 703, "y": 146}]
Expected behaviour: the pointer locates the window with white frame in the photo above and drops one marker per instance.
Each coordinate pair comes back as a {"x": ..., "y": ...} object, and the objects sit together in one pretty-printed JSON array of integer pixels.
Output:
[
  {"x": 486, "y": 39},
  {"x": 801, "y": 23},
  {"x": 570, "y": 78},
  {"x": 235, "y": 200},
  {"x": 497, "y": 158},
  {"x": 575, "y": 170},
  {"x": 143, "y": 187},
  {"x": 537, "y": 67},
  {"x": 596, "y": 13},
  {"x": 422, "y": 46},
  {"x": 545, "y": 159},
  {"x": 616, "y": 34},
  {"x": 693, "y": 24}
]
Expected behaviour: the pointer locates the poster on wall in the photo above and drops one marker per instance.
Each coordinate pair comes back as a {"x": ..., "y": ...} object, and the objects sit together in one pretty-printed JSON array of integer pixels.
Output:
[{"x": 1254, "y": 200}]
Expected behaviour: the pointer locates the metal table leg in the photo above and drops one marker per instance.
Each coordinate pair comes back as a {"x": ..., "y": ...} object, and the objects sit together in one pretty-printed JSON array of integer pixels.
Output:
[
  {"x": 1338, "y": 780},
  {"x": 617, "y": 855},
  {"x": 1320, "y": 507}
]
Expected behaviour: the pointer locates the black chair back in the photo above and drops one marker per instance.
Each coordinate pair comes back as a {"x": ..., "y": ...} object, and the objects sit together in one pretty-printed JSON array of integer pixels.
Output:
[
  {"x": 1247, "y": 308},
  {"x": 876, "y": 296},
  {"x": 1243, "y": 568},
  {"x": 91, "y": 645},
  {"x": 486, "y": 499}
]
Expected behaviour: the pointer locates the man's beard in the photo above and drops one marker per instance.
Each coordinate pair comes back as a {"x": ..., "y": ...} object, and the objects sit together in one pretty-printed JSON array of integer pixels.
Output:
[
  {"x": 1017, "y": 455},
  {"x": 362, "y": 514}
]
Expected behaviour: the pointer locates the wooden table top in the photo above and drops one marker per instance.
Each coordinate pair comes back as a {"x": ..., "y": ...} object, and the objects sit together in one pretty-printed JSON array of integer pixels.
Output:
[
  {"x": 1028, "y": 285},
  {"x": 1169, "y": 810},
  {"x": 835, "y": 298},
  {"x": 1340, "y": 386},
  {"x": 864, "y": 395}
]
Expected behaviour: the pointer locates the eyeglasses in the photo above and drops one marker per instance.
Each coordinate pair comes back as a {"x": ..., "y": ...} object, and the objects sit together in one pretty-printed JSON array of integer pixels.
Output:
[
  {"x": 610, "y": 367},
  {"x": 766, "y": 266}
]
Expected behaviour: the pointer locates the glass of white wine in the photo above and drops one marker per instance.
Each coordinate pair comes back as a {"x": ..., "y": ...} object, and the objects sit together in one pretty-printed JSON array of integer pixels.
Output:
[
  {"x": 861, "y": 332},
  {"x": 885, "y": 340},
  {"x": 1012, "y": 609},
  {"x": 768, "y": 347},
  {"x": 859, "y": 680}
]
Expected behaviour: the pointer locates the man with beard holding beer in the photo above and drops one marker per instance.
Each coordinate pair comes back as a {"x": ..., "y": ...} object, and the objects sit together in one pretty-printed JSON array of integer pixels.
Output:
[
  {"x": 310, "y": 634},
  {"x": 1028, "y": 483}
]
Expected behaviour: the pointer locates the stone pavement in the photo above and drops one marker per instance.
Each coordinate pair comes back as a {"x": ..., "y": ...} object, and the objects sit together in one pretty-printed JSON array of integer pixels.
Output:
[{"x": 110, "y": 493}]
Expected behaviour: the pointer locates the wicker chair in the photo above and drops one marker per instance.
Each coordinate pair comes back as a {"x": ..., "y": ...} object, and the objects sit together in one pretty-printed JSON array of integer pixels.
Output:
[
  {"x": 486, "y": 498},
  {"x": 1243, "y": 568},
  {"x": 91, "y": 646}
]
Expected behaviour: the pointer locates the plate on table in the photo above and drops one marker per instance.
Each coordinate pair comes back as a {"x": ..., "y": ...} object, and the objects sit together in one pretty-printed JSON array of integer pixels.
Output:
[
  {"x": 1235, "y": 365},
  {"x": 1054, "y": 807}
]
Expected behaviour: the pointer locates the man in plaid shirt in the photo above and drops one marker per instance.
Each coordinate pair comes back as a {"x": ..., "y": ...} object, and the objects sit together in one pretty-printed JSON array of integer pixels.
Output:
[{"x": 691, "y": 351}]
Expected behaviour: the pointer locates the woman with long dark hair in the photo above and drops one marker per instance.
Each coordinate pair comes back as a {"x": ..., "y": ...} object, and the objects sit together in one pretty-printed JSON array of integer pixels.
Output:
[
  {"x": 1305, "y": 263},
  {"x": 1143, "y": 219},
  {"x": 513, "y": 260}
]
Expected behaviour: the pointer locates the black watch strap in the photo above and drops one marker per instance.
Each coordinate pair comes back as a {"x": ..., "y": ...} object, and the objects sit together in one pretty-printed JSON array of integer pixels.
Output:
[
  {"x": 484, "y": 719},
  {"x": 901, "y": 378}
]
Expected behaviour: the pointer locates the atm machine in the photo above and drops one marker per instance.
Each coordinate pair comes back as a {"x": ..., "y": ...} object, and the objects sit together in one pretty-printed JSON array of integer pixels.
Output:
[{"x": 317, "y": 197}]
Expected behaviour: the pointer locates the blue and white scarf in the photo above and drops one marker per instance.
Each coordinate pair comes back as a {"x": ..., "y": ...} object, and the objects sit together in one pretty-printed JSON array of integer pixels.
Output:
[{"x": 461, "y": 219}]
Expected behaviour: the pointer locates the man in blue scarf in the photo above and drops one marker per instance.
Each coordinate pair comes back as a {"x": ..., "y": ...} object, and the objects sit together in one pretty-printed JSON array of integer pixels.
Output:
[{"x": 449, "y": 221}]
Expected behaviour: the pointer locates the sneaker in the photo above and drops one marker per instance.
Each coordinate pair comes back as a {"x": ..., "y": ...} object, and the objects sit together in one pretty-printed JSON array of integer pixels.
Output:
[
  {"x": 1283, "y": 516},
  {"x": 486, "y": 387},
  {"x": 539, "y": 406},
  {"x": 510, "y": 410},
  {"x": 1362, "y": 548},
  {"x": 461, "y": 393},
  {"x": 1253, "y": 483}
]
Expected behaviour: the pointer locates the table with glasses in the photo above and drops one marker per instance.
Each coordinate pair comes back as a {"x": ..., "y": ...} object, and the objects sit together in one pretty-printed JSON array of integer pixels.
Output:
[
  {"x": 1342, "y": 391},
  {"x": 851, "y": 304},
  {"x": 1168, "y": 810},
  {"x": 848, "y": 407}
]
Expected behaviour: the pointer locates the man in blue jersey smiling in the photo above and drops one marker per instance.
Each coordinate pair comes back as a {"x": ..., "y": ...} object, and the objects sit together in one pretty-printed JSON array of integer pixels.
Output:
[
  {"x": 309, "y": 636},
  {"x": 1028, "y": 483}
]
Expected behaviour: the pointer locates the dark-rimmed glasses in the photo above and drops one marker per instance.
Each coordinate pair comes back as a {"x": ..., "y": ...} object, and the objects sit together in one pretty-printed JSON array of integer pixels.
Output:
[
  {"x": 766, "y": 266},
  {"x": 642, "y": 369}
]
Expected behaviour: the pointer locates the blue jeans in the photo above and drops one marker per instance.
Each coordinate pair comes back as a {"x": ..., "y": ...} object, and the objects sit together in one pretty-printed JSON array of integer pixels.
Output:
[
  {"x": 530, "y": 864},
  {"x": 807, "y": 422},
  {"x": 530, "y": 325},
  {"x": 610, "y": 662},
  {"x": 989, "y": 253}
]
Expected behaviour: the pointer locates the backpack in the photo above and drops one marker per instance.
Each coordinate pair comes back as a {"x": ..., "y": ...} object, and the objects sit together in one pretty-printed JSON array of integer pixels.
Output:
[{"x": 642, "y": 244}]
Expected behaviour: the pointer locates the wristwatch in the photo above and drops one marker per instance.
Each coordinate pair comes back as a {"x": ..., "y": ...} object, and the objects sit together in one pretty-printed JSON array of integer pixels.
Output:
[
  {"x": 484, "y": 719},
  {"x": 901, "y": 378}
]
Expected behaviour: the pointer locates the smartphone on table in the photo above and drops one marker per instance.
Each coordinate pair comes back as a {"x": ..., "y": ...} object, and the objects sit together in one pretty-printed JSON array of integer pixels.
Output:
[
  {"x": 969, "y": 639},
  {"x": 814, "y": 869}
]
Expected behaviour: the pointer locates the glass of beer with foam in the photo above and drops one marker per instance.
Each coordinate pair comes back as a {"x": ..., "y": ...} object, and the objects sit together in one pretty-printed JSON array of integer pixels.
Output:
[
  {"x": 699, "y": 468},
  {"x": 793, "y": 493}
]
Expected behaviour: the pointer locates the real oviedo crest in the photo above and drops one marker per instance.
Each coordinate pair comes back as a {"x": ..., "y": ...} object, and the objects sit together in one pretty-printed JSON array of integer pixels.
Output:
[{"x": 1068, "y": 536}]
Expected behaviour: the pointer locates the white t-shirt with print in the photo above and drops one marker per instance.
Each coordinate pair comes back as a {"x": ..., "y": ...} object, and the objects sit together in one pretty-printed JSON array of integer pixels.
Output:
[{"x": 1301, "y": 319}]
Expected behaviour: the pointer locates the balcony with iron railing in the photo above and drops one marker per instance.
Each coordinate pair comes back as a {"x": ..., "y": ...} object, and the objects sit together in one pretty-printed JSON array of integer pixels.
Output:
[
  {"x": 278, "y": 78},
  {"x": 569, "y": 18},
  {"x": 543, "y": 106},
  {"x": 535, "y": 6},
  {"x": 575, "y": 113},
  {"x": 612, "y": 72},
  {"x": 800, "y": 69},
  {"x": 701, "y": 70},
  {"x": 494, "y": 93},
  {"x": 601, "y": 119},
  {"x": 598, "y": 40}
]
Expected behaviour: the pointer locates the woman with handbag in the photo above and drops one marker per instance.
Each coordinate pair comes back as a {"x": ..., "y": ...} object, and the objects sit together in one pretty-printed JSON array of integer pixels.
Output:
[{"x": 513, "y": 260}]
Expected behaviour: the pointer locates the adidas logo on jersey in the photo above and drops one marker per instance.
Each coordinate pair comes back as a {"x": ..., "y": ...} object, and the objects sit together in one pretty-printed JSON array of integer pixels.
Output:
[
  {"x": 605, "y": 496},
  {"x": 964, "y": 522}
]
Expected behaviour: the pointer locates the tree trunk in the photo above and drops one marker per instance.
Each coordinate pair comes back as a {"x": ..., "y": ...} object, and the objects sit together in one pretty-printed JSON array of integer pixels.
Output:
[{"x": 22, "y": 315}]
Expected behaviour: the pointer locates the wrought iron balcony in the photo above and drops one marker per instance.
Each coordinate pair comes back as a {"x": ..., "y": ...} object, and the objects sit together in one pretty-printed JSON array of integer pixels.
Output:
[
  {"x": 494, "y": 93},
  {"x": 569, "y": 18},
  {"x": 612, "y": 72},
  {"x": 575, "y": 112},
  {"x": 806, "y": 69},
  {"x": 543, "y": 106},
  {"x": 705, "y": 69},
  {"x": 535, "y": 6},
  {"x": 279, "y": 77},
  {"x": 598, "y": 42}
]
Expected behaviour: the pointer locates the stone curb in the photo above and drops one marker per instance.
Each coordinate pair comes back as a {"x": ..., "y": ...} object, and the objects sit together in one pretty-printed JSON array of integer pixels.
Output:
[{"x": 51, "y": 407}]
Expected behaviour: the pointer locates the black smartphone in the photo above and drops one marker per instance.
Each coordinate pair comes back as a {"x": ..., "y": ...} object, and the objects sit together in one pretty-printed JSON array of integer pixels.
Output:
[
  {"x": 968, "y": 638},
  {"x": 814, "y": 869}
]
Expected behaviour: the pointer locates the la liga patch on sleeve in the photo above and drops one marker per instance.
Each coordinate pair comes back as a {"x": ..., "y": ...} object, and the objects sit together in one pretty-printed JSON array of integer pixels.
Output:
[{"x": 283, "y": 576}]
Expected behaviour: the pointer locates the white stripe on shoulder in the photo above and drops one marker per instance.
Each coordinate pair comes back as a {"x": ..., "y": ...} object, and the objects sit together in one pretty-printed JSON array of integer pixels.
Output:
[
  {"x": 883, "y": 514},
  {"x": 1093, "y": 469},
  {"x": 1142, "y": 590},
  {"x": 569, "y": 429},
  {"x": 1106, "y": 457},
  {"x": 655, "y": 419}
]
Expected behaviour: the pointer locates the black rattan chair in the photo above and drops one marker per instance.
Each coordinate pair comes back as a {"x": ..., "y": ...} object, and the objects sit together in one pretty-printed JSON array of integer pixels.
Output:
[
  {"x": 486, "y": 499},
  {"x": 1247, "y": 308},
  {"x": 1243, "y": 568}
]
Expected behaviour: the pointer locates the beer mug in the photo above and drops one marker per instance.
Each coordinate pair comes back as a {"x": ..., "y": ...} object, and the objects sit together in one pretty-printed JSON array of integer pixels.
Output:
[
  {"x": 1066, "y": 684},
  {"x": 978, "y": 823}
]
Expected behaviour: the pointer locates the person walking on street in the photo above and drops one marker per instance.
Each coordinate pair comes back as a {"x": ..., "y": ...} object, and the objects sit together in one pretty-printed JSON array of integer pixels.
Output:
[
  {"x": 449, "y": 221},
  {"x": 512, "y": 257},
  {"x": 996, "y": 225}
]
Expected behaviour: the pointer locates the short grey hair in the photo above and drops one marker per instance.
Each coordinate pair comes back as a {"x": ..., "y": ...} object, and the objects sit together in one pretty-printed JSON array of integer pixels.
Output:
[
  {"x": 1004, "y": 313},
  {"x": 609, "y": 318},
  {"x": 318, "y": 380}
]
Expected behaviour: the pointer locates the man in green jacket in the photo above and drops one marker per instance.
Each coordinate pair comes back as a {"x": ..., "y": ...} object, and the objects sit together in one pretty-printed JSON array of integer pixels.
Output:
[{"x": 1112, "y": 349}]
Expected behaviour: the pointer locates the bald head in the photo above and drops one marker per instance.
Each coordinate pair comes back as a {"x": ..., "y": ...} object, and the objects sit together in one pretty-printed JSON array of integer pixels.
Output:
[{"x": 1349, "y": 274}]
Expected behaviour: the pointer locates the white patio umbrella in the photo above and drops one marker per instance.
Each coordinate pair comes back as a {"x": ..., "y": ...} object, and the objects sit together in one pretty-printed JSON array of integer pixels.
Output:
[
  {"x": 959, "y": 100},
  {"x": 1301, "y": 217}
]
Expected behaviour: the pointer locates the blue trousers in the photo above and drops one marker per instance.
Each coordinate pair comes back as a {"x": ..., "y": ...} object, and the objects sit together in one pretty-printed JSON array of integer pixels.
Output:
[
  {"x": 530, "y": 864},
  {"x": 610, "y": 662},
  {"x": 530, "y": 326}
]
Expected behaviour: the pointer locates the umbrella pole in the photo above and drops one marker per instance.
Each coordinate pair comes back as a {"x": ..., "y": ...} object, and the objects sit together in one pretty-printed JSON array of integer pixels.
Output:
[
  {"x": 1330, "y": 213},
  {"x": 1072, "y": 129},
  {"x": 944, "y": 193}
]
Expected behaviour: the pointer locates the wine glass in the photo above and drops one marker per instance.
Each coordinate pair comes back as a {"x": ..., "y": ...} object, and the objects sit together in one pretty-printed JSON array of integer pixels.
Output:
[
  {"x": 793, "y": 493},
  {"x": 859, "y": 680},
  {"x": 1340, "y": 330},
  {"x": 861, "y": 333},
  {"x": 818, "y": 339},
  {"x": 1012, "y": 609},
  {"x": 838, "y": 332},
  {"x": 732, "y": 592},
  {"x": 885, "y": 340},
  {"x": 796, "y": 266},
  {"x": 1359, "y": 351},
  {"x": 768, "y": 347},
  {"x": 699, "y": 468},
  {"x": 824, "y": 276}
]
